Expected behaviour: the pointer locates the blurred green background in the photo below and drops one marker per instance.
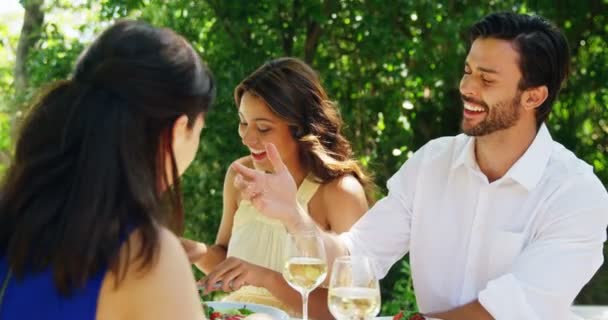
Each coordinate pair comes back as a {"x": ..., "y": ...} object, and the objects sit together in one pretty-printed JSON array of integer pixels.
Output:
[{"x": 392, "y": 66}]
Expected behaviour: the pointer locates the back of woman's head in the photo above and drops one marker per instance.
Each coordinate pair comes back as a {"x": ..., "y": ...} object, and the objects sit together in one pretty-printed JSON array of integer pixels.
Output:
[
  {"x": 90, "y": 160},
  {"x": 293, "y": 91}
]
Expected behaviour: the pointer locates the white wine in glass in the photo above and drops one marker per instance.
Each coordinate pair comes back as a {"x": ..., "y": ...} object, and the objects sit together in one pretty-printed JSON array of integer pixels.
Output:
[
  {"x": 354, "y": 291},
  {"x": 305, "y": 273},
  {"x": 306, "y": 267}
]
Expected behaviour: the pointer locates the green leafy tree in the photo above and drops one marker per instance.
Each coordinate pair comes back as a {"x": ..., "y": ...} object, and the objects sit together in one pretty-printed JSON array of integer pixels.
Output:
[{"x": 393, "y": 67}]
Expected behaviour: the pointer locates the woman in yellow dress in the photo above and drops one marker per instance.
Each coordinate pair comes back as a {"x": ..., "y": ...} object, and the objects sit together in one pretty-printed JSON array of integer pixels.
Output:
[{"x": 283, "y": 103}]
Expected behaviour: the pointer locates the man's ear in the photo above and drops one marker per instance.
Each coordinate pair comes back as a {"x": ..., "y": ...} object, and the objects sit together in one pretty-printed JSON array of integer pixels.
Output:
[{"x": 532, "y": 98}]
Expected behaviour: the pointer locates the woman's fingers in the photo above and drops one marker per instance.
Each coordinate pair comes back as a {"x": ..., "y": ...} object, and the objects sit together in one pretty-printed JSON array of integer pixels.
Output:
[
  {"x": 201, "y": 284},
  {"x": 228, "y": 279},
  {"x": 216, "y": 275},
  {"x": 238, "y": 282},
  {"x": 224, "y": 272}
]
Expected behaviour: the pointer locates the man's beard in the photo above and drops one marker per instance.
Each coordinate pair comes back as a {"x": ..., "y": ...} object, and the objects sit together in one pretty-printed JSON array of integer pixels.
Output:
[{"x": 500, "y": 116}]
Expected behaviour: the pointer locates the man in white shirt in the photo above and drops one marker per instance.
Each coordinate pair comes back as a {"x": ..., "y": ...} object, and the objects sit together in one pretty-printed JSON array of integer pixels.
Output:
[{"x": 501, "y": 222}]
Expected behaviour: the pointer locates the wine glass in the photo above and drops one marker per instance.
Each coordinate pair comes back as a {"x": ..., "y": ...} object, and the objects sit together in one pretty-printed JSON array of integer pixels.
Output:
[
  {"x": 306, "y": 266},
  {"x": 354, "y": 290}
]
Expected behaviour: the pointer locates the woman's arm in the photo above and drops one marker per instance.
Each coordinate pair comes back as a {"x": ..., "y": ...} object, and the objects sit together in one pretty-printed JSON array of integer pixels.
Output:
[
  {"x": 210, "y": 256},
  {"x": 148, "y": 293}
]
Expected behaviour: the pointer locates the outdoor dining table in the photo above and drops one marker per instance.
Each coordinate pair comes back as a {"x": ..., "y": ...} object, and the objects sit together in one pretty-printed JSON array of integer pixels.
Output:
[{"x": 581, "y": 312}]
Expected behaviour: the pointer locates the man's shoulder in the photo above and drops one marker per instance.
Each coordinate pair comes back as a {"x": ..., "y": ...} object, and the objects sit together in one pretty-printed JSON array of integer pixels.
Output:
[
  {"x": 564, "y": 164},
  {"x": 432, "y": 161},
  {"x": 575, "y": 178},
  {"x": 444, "y": 148}
]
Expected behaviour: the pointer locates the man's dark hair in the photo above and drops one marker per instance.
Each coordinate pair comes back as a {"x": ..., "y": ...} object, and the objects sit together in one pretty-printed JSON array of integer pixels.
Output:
[{"x": 543, "y": 51}]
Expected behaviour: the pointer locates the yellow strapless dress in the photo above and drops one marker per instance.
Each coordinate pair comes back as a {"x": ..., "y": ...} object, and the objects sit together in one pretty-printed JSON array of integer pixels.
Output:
[{"x": 262, "y": 241}]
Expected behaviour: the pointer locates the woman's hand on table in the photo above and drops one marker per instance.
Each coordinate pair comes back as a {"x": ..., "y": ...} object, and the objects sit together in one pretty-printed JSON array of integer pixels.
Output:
[{"x": 233, "y": 273}]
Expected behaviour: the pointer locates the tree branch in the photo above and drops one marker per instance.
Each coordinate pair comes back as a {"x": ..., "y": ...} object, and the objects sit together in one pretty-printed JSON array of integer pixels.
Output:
[
  {"x": 289, "y": 32},
  {"x": 31, "y": 32},
  {"x": 215, "y": 7},
  {"x": 313, "y": 33}
]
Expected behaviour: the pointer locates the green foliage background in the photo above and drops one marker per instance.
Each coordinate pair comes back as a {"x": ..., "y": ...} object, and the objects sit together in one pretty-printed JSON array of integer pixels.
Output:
[{"x": 393, "y": 67}]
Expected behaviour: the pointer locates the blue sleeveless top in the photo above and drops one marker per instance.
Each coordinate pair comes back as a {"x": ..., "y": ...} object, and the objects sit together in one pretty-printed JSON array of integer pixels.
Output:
[{"x": 35, "y": 297}]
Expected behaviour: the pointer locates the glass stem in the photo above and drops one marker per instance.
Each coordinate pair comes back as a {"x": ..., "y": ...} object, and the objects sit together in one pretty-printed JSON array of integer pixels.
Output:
[{"x": 305, "y": 305}]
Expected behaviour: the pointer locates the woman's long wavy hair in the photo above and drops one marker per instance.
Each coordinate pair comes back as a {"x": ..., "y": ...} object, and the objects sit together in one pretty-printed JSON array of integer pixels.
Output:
[
  {"x": 89, "y": 163},
  {"x": 293, "y": 91}
]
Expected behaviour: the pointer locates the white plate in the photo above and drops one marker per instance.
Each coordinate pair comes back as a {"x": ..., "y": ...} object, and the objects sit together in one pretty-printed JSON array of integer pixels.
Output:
[
  {"x": 390, "y": 318},
  {"x": 274, "y": 313},
  {"x": 591, "y": 312}
]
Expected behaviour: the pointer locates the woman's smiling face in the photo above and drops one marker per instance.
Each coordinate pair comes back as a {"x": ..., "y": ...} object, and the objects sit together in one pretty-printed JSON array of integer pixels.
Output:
[{"x": 258, "y": 126}]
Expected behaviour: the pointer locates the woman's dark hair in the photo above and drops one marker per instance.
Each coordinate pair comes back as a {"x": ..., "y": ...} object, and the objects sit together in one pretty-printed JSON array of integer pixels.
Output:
[
  {"x": 293, "y": 91},
  {"x": 89, "y": 162},
  {"x": 544, "y": 55}
]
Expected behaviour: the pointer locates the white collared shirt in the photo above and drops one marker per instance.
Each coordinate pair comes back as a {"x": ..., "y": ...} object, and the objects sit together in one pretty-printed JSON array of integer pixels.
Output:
[{"x": 523, "y": 245}]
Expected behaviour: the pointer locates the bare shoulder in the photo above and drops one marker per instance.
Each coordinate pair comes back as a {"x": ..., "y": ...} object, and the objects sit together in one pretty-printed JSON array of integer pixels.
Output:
[
  {"x": 144, "y": 287},
  {"x": 168, "y": 257},
  {"x": 345, "y": 188},
  {"x": 344, "y": 202},
  {"x": 170, "y": 250}
]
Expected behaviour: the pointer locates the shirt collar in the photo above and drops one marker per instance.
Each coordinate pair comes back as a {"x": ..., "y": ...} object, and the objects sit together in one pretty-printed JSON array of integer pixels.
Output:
[
  {"x": 466, "y": 156},
  {"x": 527, "y": 170}
]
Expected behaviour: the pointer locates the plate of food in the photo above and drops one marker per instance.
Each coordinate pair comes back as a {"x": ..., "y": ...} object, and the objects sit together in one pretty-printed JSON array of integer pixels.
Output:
[{"x": 220, "y": 310}]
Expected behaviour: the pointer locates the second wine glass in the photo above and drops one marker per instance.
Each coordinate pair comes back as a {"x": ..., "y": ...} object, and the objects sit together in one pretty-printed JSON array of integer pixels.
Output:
[
  {"x": 354, "y": 290},
  {"x": 306, "y": 266}
]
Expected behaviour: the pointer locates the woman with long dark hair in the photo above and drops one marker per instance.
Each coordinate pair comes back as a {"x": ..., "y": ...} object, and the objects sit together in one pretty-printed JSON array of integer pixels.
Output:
[
  {"x": 91, "y": 202},
  {"x": 283, "y": 103}
]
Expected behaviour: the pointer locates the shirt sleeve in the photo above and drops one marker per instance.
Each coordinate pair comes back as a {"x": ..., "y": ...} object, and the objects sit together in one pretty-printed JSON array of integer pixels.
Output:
[
  {"x": 383, "y": 233},
  {"x": 563, "y": 256}
]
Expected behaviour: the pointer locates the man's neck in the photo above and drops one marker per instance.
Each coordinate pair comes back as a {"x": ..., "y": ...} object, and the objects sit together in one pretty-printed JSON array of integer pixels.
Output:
[{"x": 497, "y": 152}]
